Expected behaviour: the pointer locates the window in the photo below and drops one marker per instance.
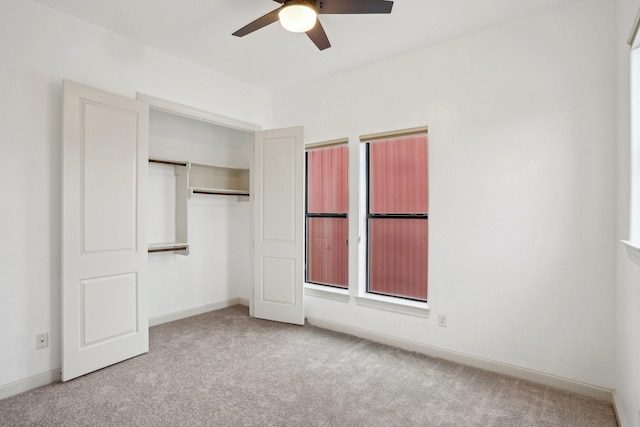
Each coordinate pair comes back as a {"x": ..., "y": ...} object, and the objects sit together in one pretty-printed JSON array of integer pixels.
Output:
[
  {"x": 397, "y": 216},
  {"x": 633, "y": 244},
  {"x": 635, "y": 144},
  {"x": 326, "y": 216}
]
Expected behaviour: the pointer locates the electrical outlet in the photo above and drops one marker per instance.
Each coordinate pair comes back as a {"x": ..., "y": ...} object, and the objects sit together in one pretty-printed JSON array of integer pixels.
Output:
[
  {"x": 42, "y": 340},
  {"x": 442, "y": 320}
]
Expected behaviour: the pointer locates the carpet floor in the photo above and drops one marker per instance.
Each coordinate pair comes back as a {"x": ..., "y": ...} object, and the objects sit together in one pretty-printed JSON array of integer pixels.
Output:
[{"x": 225, "y": 368}]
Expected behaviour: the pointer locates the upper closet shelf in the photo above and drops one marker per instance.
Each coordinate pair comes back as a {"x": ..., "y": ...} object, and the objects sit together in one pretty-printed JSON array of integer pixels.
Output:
[{"x": 205, "y": 178}]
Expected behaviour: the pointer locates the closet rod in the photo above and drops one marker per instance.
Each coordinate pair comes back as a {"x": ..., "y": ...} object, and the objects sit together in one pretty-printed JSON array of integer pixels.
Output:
[
  {"x": 169, "y": 249},
  {"x": 220, "y": 193},
  {"x": 168, "y": 162}
]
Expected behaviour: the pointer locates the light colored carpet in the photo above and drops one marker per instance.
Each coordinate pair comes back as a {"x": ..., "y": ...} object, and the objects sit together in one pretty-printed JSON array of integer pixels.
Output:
[{"x": 226, "y": 369}]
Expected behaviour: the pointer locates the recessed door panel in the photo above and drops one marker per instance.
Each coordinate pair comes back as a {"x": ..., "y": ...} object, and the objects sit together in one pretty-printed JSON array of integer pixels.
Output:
[
  {"x": 109, "y": 307},
  {"x": 109, "y": 185},
  {"x": 279, "y": 183},
  {"x": 278, "y": 275}
]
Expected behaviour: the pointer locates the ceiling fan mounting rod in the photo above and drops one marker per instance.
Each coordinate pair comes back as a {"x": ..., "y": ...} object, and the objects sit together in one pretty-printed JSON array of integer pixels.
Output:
[{"x": 309, "y": 3}]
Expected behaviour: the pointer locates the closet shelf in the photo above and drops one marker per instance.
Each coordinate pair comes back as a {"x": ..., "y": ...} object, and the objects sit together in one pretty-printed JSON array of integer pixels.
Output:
[
  {"x": 213, "y": 179},
  {"x": 203, "y": 178},
  {"x": 199, "y": 178}
]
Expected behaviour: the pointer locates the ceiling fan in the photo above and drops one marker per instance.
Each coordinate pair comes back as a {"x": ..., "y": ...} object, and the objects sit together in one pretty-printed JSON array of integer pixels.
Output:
[{"x": 300, "y": 16}]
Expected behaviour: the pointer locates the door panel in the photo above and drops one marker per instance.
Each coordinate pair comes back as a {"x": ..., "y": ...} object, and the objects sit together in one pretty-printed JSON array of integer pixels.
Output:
[
  {"x": 113, "y": 298},
  {"x": 109, "y": 173},
  {"x": 278, "y": 275},
  {"x": 104, "y": 241},
  {"x": 278, "y": 186},
  {"x": 278, "y": 225}
]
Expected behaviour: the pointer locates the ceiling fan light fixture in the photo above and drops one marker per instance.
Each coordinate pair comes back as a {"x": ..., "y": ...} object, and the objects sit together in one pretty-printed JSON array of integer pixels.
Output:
[{"x": 297, "y": 17}]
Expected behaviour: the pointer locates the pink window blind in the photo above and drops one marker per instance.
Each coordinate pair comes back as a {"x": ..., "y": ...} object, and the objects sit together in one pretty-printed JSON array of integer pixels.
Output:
[
  {"x": 399, "y": 182},
  {"x": 328, "y": 180},
  {"x": 398, "y": 246},
  {"x": 398, "y": 253},
  {"x": 327, "y": 251},
  {"x": 327, "y": 194}
]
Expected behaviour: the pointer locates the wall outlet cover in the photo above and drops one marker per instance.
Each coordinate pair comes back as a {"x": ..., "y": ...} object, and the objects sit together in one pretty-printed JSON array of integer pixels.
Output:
[
  {"x": 442, "y": 320},
  {"x": 42, "y": 340}
]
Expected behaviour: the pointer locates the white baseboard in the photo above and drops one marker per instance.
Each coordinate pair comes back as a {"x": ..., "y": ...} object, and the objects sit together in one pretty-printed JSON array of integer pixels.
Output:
[
  {"x": 30, "y": 383},
  {"x": 469, "y": 360},
  {"x": 619, "y": 410},
  {"x": 54, "y": 375},
  {"x": 193, "y": 311}
]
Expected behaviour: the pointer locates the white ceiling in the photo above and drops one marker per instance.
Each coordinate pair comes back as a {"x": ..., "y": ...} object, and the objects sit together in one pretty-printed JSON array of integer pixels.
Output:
[{"x": 199, "y": 31}]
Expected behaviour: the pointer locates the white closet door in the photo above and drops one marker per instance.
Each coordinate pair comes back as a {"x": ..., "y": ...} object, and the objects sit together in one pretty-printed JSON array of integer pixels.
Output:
[
  {"x": 104, "y": 237},
  {"x": 278, "y": 225}
]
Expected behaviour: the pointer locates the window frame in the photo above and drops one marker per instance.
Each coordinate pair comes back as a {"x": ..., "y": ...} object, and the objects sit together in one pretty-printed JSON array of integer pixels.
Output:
[
  {"x": 358, "y": 258},
  {"x": 307, "y": 215},
  {"x": 380, "y": 138},
  {"x": 633, "y": 243}
]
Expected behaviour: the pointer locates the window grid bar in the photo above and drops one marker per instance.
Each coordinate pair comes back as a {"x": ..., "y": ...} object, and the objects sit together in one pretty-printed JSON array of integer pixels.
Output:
[
  {"x": 326, "y": 215},
  {"x": 398, "y": 216}
]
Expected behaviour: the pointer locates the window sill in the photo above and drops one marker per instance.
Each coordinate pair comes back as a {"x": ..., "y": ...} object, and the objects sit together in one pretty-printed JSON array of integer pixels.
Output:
[
  {"x": 327, "y": 292},
  {"x": 397, "y": 305},
  {"x": 633, "y": 250}
]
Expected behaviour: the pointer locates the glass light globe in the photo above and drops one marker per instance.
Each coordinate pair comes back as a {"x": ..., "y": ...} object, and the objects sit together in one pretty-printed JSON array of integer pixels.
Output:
[{"x": 298, "y": 18}]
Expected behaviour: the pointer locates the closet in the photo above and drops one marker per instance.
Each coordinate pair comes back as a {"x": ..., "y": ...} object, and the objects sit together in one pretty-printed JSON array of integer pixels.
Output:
[
  {"x": 167, "y": 207},
  {"x": 199, "y": 215}
]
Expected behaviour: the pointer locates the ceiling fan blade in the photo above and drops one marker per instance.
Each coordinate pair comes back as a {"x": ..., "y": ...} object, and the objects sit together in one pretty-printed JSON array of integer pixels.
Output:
[
  {"x": 318, "y": 36},
  {"x": 353, "y": 6},
  {"x": 279, "y": 1},
  {"x": 263, "y": 21}
]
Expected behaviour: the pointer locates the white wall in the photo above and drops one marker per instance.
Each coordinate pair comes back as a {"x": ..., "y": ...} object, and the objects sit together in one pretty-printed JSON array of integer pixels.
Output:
[
  {"x": 40, "y": 47},
  {"x": 217, "y": 268},
  {"x": 522, "y": 170},
  {"x": 628, "y": 280}
]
